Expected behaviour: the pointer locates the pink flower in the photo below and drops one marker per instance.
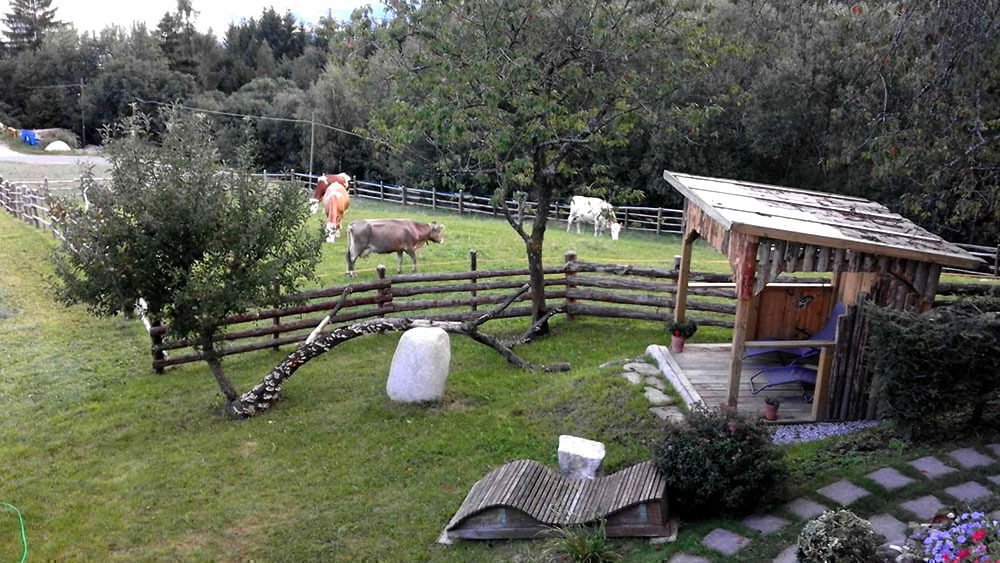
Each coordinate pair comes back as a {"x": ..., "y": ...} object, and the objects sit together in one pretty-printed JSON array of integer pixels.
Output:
[{"x": 979, "y": 534}]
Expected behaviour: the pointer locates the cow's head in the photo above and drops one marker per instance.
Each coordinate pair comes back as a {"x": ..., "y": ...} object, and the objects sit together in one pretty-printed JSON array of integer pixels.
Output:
[
  {"x": 437, "y": 233},
  {"x": 615, "y": 229}
]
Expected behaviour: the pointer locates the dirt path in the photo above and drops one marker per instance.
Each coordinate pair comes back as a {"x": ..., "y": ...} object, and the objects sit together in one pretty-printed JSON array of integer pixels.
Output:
[{"x": 8, "y": 155}]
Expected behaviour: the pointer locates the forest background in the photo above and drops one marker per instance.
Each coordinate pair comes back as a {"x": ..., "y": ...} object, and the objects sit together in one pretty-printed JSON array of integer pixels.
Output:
[{"x": 894, "y": 101}]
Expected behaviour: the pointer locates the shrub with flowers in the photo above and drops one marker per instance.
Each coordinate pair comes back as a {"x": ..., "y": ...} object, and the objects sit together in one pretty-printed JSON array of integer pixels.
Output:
[
  {"x": 684, "y": 329},
  {"x": 972, "y": 536}
]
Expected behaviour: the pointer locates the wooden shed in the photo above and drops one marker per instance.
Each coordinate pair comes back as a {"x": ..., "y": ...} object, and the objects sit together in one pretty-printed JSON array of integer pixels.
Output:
[{"x": 763, "y": 230}]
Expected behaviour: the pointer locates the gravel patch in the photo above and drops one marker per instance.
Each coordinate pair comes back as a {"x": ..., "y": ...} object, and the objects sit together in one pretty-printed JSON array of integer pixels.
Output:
[{"x": 794, "y": 433}]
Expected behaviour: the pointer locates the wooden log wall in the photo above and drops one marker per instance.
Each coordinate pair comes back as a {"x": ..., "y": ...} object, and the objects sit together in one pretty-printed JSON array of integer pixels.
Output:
[{"x": 850, "y": 378}]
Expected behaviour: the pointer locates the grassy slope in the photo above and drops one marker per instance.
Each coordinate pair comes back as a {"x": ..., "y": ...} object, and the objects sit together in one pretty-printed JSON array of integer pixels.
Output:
[
  {"x": 104, "y": 458},
  {"x": 107, "y": 460}
]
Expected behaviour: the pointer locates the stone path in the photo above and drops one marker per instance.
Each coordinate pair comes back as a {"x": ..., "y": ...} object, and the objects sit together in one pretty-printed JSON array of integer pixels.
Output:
[
  {"x": 841, "y": 493},
  {"x": 641, "y": 373},
  {"x": 845, "y": 492}
]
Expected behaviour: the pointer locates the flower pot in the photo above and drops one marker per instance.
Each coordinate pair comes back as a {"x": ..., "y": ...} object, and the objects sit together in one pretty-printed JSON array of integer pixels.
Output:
[
  {"x": 676, "y": 344},
  {"x": 770, "y": 412}
]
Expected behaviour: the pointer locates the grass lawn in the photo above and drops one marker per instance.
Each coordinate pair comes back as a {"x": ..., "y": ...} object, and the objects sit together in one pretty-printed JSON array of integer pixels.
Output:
[{"x": 108, "y": 461}]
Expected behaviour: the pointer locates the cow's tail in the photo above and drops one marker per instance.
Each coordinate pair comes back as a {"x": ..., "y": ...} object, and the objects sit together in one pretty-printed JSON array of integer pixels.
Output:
[{"x": 350, "y": 251}]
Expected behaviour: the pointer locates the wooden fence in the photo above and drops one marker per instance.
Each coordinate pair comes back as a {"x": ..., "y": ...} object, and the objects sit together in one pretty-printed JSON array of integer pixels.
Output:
[
  {"x": 658, "y": 220},
  {"x": 585, "y": 289}
]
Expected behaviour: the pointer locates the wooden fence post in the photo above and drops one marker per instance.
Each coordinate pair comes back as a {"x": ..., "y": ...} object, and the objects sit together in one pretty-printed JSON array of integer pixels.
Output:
[
  {"x": 568, "y": 272},
  {"x": 625, "y": 222},
  {"x": 434, "y": 197},
  {"x": 402, "y": 190},
  {"x": 276, "y": 322},
  {"x": 472, "y": 268},
  {"x": 381, "y": 190},
  {"x": 461, "y": 205},
  {"x": 385, "y": 294},
  {"x": 996, "y": 262},
  {"x": 156, "y": 339},
  {"x": 659, "y": 219}
]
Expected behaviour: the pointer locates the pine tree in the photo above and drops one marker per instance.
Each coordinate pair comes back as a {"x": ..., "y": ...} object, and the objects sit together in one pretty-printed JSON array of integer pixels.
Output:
[{"x": 28, "y": 22}]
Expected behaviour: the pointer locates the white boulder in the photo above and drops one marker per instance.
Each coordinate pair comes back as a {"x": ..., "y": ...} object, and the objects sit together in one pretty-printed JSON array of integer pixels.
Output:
[
  {"x": 420, "y": 366},
  {"x": 58, "y": 146},
  {"x": 580, "y": 458}
]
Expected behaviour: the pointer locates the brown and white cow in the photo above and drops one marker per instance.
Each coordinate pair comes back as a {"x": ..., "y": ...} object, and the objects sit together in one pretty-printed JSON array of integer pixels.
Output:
[
  {"x": 331, "y": 191},
  {"x": 385, "y": 236}
]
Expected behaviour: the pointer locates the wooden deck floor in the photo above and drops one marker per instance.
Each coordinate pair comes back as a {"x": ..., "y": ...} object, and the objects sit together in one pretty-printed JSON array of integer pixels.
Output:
[{"x": 702, "y": 372}]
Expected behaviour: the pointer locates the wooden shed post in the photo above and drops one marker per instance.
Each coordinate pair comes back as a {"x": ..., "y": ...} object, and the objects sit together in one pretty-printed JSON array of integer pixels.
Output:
[
  {"x": 743, "y": 257},
  {"x": 683, "y": 275}
]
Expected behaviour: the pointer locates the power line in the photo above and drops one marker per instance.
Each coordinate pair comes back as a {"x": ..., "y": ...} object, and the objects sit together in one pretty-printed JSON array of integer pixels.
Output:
[{"x": 262, "y": 117}]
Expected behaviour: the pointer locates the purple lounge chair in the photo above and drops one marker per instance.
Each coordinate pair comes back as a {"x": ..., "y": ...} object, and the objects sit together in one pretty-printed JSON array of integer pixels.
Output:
[{"x": 795, "y": 371}]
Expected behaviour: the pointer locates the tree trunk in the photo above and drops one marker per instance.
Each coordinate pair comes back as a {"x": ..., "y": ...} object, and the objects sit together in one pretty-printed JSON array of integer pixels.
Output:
[
  {"x": 534, "y": 249},
  {"x": 214, "y": 362}
]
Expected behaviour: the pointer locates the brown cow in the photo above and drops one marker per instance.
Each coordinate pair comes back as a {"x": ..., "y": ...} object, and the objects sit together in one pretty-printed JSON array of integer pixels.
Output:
[
  {"x": 331, "y": 190},
  {"x": 384, "y": 236}
]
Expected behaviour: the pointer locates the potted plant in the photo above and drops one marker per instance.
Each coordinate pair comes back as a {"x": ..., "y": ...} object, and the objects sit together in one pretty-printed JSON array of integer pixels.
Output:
[
  {"x": 679, "y": 332},
  {"x": 771, "y": 405}
]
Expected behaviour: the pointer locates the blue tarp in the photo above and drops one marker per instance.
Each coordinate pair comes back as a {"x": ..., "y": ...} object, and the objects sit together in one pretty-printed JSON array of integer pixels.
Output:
[{"x": 28, "y": 136}]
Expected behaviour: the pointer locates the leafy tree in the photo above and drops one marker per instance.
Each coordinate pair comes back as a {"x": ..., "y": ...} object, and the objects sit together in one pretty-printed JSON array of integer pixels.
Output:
[
  {"x": 197, "y": 241},
  {"x": 28, "y": 22},
  {"x": 518, "y": 94}
]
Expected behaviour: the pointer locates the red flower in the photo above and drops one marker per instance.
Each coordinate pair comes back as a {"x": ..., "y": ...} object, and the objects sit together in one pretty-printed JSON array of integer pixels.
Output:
[
  {"x": 979, "y": 534},
  {"x": 677, "y": 333},
  {"x": 856, "y": 10},
  {"x": 963, "y": 554}
]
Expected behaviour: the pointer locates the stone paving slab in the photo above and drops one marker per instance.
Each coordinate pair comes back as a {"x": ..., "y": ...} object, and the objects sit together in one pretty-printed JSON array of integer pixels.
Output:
[
  {"x": 890, "y": 527},
  {"x": 642, "y": 368},
  {"x": 889, "y": 478},
  {"x": 668, "y": 413},
  {"x": 805, "y": 508},
  {"x": 787, "y": 555},
  {"x": 843, "y": 492},
  {"x": 657, "y": 397},
  {"x": 931, "y": 467},
  {"x": 632, "y": 377},
  {"x": 968, "y": 491},
  {"x": 657, "y": 382},
  {"x": 995, "y": 479},
  {"x": 969, "y": 458},
  {"x": 724, "y": 541},
  {"x": 995, "y": 449},
  {"x": 923, "y": 508},
  {"x": 688, "y": 558},
  {"x": 765, "y": 523}
]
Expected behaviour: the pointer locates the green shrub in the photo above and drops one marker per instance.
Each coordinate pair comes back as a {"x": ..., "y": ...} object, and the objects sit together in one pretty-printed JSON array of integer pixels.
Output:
[
  {"x": 581, "y": 544},
  {"x": 936, "y": 372},
  {"x": 839, "y": 536},
  {"x": 718, "y": 461}
]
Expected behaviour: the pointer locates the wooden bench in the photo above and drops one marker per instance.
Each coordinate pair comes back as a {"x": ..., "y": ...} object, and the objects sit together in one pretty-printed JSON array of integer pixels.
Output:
[{"x": 525, "y": 499}]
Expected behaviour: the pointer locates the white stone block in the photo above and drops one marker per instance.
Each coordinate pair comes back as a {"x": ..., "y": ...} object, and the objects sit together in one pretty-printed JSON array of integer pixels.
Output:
[
  {"x": 580, "y": 458},
  {"x": 420, "y": 366}
]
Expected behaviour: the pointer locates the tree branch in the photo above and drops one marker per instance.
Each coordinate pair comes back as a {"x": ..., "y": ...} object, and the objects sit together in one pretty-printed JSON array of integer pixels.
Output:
[{"x": 264, "y": 394}]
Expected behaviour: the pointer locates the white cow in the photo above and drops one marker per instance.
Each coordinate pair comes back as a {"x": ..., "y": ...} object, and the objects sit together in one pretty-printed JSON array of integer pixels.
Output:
[{"x": 593, "y": 210}]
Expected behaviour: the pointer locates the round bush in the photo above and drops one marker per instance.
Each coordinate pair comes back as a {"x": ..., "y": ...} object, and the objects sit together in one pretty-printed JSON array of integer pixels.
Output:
[
  {"x": 719, "y": 462},
  {"x": 839, "y": 536}
]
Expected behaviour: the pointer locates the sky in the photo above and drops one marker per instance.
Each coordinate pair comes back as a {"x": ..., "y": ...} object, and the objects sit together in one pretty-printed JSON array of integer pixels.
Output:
[{"x": 95, "y": 15}]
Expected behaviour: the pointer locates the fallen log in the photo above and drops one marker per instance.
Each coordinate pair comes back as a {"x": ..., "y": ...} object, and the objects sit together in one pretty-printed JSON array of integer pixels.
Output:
[{"x": 265, "y": 393}]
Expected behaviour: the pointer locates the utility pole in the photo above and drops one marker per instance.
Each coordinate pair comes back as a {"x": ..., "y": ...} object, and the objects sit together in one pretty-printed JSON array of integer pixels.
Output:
[
  {"x": 83, "y": 130},
  {"x": 312, "y": 141}
]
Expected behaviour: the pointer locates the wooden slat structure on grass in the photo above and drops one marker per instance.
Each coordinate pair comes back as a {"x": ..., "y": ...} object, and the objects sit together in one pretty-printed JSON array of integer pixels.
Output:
[
  {"x": 525, "y": 499},
  {"x": 766, "y": 230}
]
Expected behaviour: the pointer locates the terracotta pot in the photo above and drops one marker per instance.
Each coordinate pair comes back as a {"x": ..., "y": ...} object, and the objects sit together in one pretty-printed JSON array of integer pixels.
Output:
[
  {"x": 676, "y": 344},
  {"x": 770, "y": 412}
]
